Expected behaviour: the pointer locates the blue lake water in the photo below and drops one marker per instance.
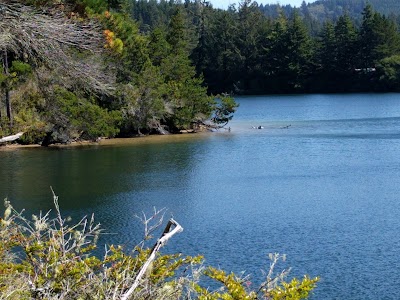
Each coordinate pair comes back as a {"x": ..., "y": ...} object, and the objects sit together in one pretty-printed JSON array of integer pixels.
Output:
[{"x": 320, "y": 182}]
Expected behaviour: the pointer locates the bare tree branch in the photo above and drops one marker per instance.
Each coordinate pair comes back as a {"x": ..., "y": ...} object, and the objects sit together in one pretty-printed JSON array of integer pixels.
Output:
[
  {"x": 167, "y": 234},
  {"x": 70, "y": 47}
]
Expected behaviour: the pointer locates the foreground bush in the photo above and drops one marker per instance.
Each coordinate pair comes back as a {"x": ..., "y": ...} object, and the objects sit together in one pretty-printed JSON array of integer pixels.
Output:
[{"x": 47, "y": 258}]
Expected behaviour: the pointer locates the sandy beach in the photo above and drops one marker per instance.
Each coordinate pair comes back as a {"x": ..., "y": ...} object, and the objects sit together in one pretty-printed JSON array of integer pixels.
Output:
[{"x": 149, "y": 139}]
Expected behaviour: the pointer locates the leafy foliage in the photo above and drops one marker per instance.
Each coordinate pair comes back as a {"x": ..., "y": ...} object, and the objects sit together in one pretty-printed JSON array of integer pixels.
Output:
[
  {"x": 224, "y": 110},
  {"x": 76, "y": 118},
  {"x": 144, "y": 106},
  {"x": 294, "y": 289},
  {"x": 389, "y": 69}
]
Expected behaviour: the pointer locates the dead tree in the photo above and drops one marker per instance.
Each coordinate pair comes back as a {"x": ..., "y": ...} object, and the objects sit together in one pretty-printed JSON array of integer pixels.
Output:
[{"x": 50, "y": 39}]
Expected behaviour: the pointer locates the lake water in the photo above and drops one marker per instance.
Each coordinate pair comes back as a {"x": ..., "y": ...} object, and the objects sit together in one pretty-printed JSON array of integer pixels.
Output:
[{"x": 320, "y": 182}]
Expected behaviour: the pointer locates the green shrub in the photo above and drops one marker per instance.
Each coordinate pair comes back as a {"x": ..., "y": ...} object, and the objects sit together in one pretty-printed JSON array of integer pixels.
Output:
[
  {"x": 224, "y": 110},
  {"x": 50, "y": 258},
  {"x": 87, "y": 117},
  {"x": 32, "y": 136},
  {"x": 71, "y": 117}
]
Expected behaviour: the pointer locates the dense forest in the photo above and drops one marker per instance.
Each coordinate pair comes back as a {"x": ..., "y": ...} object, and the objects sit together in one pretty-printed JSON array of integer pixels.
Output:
[
  {"x": 243, "y": 51},
  {"x": 83, "y": 69}
]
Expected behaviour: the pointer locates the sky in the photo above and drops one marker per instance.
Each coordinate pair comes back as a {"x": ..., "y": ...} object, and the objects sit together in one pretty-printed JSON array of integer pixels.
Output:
[{"x": 225, "y": 3}]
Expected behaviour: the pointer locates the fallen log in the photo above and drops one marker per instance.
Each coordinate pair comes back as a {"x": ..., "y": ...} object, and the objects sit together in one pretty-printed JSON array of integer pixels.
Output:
[{"x": 11, "y": 138}]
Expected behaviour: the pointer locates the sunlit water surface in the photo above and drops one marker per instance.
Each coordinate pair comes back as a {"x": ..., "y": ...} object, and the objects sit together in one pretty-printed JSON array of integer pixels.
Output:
[{"x": 320, "y": 182}]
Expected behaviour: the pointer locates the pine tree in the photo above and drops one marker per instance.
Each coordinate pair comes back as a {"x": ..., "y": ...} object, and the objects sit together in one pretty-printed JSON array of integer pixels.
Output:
[
  {"x": 301, "y": 50},
  {"x": 327, "y": 48},
  {"x": 367, "y": 39},
  {"x": 346, "y": 46},
  {"x": 249, "y": 36}
]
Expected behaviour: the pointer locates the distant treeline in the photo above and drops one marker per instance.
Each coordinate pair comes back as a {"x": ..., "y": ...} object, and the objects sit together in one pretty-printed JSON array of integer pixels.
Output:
[
  {"x": 324, "y": 10},
  {"x": 248, "y": 49}
]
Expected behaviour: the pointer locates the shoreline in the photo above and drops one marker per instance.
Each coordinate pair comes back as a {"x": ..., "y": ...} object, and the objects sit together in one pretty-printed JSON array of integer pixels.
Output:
[{"x": 148, "y": 139}]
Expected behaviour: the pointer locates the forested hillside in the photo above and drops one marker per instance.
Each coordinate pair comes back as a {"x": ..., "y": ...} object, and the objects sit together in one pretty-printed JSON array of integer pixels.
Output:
[
  {"x": 323, "y": 10},
  {"x": 83, "y": 69},
  {"x": 333, "y": 9}
]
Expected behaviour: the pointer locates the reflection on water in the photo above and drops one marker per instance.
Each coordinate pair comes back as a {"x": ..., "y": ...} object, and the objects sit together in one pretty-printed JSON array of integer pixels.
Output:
[
  {"x": 90, "y": 173},
  {"x": 324, "y": 190}
]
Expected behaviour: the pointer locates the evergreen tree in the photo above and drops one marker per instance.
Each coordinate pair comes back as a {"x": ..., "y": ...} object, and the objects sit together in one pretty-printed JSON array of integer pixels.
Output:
[
  {"x": 379, "y": 40},
  {"x": 301, "y": 51},
  {"x": 386, "y": 37},
  {"x": 290, "y": 53},
  {"x": 276, "y": 57},
  {"x": 159, "y": 48},
  {"x": 248, "y": 37},
  {"x": 178, "y": 33},
  {"x": 346, "y": 46},
  {"x": 367, "y": 39},
  {"x": 325, "y": 72},
  {"x": 326, "y": 54},
  {"x": 221, "y": 54},
  {"x": 186, "y": 96},
  {"x": 144, "y": 107},
  {"x": 200, "y": 55},
  {"x": 311, "y": 23}
]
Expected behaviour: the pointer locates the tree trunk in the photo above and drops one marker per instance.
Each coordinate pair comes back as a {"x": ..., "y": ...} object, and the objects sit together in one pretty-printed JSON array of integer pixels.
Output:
[
  {"x": 7, "y": 91},
  {"x": 8, "y": 107}
]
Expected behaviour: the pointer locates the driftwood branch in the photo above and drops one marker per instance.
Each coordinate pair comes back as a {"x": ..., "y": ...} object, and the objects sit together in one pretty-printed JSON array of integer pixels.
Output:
[
  {"x": 11, "y": 138},
  {"x": 166, "y": 235}
]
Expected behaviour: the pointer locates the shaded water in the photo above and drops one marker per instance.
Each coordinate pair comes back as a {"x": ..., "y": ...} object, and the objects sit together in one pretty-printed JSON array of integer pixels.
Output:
[{"x": 320, "y": 183}]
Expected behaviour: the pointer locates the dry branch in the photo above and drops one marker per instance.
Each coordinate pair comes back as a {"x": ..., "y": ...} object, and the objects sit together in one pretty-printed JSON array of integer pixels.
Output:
[
  {"x": 167, "y": 234},
  {"x": 69, "y": 47}
]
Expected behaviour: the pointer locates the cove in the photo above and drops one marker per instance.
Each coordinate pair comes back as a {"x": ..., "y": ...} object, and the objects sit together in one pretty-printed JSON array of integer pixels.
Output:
[{"x": 320, "y": 182}]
